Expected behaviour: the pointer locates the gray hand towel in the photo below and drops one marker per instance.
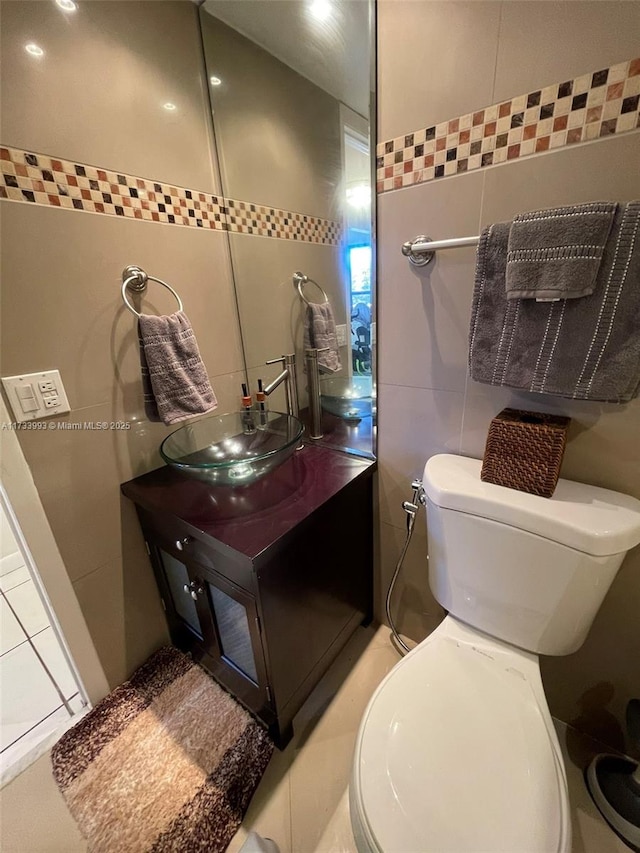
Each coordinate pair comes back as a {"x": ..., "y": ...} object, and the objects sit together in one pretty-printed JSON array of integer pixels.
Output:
[
  {"x": 150, "y": 405},
  {"x": 320, "y": 332},
  {"x": 174, "y": 377},
  {"x": 587, "y": 349},
  {"x": 556, "y": 254}
]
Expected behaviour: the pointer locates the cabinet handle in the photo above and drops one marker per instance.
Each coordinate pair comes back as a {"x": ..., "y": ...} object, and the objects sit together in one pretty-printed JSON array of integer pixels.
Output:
[
  {"x": 191, "y": 590},
  {"x": 182, "y": 543}
]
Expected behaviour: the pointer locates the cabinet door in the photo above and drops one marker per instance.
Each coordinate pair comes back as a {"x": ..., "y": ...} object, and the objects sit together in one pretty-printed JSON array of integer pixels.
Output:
[
  {"x": 179, "y": 586},
  {"x": 217, "y": 621},
  {"x": 233, "y": 635}
]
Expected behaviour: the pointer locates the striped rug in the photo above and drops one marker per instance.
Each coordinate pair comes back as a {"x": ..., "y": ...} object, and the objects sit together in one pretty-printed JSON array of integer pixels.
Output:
[{"x": 166, "y": 762}]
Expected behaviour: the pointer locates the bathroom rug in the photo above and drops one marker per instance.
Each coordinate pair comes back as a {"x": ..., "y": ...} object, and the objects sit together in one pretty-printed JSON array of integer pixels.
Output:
[{"x": 166, "y": 763}]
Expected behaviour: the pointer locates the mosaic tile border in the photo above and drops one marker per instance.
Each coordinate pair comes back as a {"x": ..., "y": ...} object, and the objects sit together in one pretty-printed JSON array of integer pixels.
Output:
[
  {"x": 587, "y": 108},
  {"x": 245, "y": 217},
  {"x": 50, "y": 181}
]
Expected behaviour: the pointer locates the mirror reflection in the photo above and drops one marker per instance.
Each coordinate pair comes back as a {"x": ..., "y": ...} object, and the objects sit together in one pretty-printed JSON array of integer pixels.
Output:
[{"x": 289, "y": 86}]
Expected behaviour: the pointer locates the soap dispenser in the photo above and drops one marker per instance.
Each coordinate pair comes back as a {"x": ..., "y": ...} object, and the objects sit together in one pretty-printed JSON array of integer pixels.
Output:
[{"x": 248, "y": 423}]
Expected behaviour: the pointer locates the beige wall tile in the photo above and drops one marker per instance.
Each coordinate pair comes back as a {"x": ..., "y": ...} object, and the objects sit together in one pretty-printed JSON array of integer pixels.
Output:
[
  {"x": 544, "y": 44},
  {"x": 86, "y": 526},
  {"x": 101, "y": 597},
  {"x": 145, "y": 626},
  {"x": 70, "y": 459},
  {"x": 97, "y": 94},
  {"x": 278, "y": 134},
  {"x": 436, "y": 61},
  {"x": 122, "y": 608},
  {"x": 601, "y": 446},
  {"x": 61, "y": 303},
  {"x": 423, "y": 313},
  {"x": 413, "y": 425},
  {"x": 270, "y": 307},
  {"x": 604, "y": 170}
]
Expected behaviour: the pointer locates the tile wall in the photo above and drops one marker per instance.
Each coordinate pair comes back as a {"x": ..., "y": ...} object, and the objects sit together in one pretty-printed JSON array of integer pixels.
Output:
[
  {"x": 427, "y": 403},
  {"x": 589, "y": 107}
]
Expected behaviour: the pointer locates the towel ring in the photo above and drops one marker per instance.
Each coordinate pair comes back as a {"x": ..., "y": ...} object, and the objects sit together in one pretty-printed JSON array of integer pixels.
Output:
[
  {"x": 135, "y": 279},
  {"x": 299, "y": 278}
]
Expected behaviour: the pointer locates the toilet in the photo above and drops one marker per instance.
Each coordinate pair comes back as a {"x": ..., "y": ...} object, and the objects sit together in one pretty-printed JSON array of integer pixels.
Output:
[{"x": 457, "y": 752}]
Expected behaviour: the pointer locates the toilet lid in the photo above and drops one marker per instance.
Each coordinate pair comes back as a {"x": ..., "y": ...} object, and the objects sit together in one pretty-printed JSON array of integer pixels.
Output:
[{"x": 454, "y": 755}]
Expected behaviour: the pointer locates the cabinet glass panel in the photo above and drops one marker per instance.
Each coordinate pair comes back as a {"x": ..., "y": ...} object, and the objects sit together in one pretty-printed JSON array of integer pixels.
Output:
[
  {"x": 233, "y": 629},
  {"x": 177, "y": 578}
]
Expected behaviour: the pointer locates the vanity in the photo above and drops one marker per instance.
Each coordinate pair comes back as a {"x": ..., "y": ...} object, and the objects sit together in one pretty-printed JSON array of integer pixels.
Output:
[{"x": 264, "y": 583}]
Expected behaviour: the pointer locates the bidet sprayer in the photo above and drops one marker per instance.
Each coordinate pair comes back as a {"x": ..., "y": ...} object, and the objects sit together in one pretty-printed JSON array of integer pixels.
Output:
[{"x": 411, "y": 507}]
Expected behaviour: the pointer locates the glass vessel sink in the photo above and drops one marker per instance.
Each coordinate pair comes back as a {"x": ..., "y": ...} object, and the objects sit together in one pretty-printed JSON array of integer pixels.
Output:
[
  {"x": 348, "y": 397},
  {"x": 231, "y": 449}
]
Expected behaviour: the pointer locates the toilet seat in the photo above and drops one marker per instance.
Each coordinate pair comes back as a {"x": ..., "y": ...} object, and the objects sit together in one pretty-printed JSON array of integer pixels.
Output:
[{"x": 457, "y": 753}]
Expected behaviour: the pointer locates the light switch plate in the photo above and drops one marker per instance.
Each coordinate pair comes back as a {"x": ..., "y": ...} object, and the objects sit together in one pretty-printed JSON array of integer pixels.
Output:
[
  {"x": 341, "y": 334},
  {"x": 44, "y": 389}
]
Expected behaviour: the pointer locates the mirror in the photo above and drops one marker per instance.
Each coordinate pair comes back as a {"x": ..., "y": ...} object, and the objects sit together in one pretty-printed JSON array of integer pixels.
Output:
[{"x": 290, "y": 92}]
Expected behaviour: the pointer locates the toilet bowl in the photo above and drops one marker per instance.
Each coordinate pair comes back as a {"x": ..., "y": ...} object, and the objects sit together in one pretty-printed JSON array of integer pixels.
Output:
[{"x": 457, "y": 752}]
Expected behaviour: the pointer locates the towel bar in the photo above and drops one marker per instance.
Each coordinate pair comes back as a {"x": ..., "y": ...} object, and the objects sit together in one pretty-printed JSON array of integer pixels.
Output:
[
  {"x": 135, "y": 279},
  {"x": 299, "y": 279},
  {"x": 421, "y": 250}
]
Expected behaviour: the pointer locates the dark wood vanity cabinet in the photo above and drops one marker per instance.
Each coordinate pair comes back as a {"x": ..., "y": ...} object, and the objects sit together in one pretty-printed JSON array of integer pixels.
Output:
[{"x": 264, "y": 584}]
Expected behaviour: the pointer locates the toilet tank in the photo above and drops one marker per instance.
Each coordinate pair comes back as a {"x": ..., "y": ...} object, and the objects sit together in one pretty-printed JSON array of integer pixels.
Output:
[{"x": 529, "y": 570}]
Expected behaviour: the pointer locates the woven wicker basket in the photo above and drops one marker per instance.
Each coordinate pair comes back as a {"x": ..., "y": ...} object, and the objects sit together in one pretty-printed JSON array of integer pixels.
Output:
[{"x": 524, "y": 451}]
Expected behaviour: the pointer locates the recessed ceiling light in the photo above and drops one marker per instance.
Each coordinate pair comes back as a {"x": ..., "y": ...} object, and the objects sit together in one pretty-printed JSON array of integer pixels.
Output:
[
  {"x": 215, "y": 81},
  {"x": 34, "y": 49},
  {"x": 67, "y": 5},
  {"x": 320, "y": 9},
  {"x": 169, "y": 106}
]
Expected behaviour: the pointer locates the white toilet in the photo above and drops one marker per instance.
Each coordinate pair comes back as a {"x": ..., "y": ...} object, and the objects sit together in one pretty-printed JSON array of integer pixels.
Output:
[{"x": 457, "y": 752}]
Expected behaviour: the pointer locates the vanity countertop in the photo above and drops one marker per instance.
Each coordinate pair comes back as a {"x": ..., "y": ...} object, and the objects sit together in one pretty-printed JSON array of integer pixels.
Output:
[
  {"x": 340, "y": 434},
  {"x": 251, "y": 518}
]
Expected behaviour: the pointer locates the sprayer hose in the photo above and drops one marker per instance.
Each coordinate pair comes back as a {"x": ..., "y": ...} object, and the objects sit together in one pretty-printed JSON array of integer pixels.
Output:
[{"x": 411, "y": 509}]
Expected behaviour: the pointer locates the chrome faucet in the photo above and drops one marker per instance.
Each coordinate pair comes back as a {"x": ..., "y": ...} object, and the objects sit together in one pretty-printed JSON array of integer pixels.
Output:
[
  {"x": 288, "y": 376},
  {"x": 313, "y": 388}
]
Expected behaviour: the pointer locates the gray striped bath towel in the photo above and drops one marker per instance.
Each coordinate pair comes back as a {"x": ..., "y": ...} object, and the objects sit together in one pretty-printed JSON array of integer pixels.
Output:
[{"x": 586, "y": 348}]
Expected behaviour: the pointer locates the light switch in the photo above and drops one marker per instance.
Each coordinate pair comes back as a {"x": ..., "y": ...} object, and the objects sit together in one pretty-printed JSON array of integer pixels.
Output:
[
  {"x": 36, "y": 395},
  {"x": 25, "y": 392},
  {"x": 341, "y": 334},
  {"x": 27, "y": 398}
]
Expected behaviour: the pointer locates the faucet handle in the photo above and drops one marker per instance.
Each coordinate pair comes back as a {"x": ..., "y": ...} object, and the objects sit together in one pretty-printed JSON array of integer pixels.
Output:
[{"x": 276, "y": 360}]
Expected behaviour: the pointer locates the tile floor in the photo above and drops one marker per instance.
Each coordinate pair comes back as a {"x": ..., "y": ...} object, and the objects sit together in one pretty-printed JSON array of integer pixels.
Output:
[
  {"x": 301, "y": 802},
  {"x": 37, "y": 687}
]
